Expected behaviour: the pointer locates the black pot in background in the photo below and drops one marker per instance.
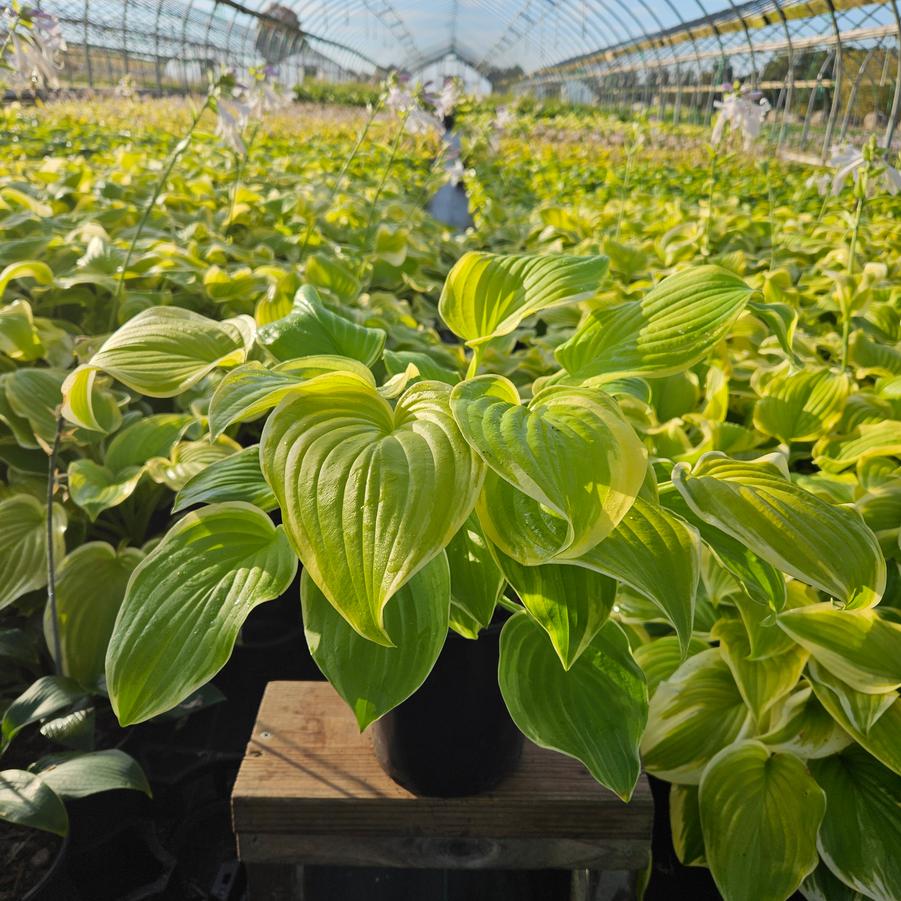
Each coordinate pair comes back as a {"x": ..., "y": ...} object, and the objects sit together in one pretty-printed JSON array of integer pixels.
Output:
[
  {"x": 55, "y": 884},
  {"x": 454, "y": 736}
]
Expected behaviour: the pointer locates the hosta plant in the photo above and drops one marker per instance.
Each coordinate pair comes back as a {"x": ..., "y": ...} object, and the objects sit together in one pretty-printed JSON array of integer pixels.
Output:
[{"x": 415, "y": 504}]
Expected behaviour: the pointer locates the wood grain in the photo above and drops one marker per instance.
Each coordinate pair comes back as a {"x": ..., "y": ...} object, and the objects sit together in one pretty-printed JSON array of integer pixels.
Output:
[{"x": 311, "y": 791}]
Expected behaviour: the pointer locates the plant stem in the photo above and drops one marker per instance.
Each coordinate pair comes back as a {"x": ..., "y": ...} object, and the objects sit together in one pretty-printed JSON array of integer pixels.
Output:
[
  {"x": 335, "y": 188},
  {"x": 240, "y": 163},
  {"x": 174, "y": 157},
  {"x": 474, "y": 361},
  {"x": 772, "y": 207},
  {"x": 852, "y": 252},
  {"x": 51, "y": 563},
  {"x": 712, "y": 176},
  {"x": 383, "y": 180},
  {"x": 625, "y": 191},
  {"x": 507, "y": 604}
]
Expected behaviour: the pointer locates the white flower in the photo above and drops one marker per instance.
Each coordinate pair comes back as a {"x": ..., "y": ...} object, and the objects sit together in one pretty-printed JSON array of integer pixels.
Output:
[
  {"x": 35, "y": 50},
  {"x": 821, "y": 182},
  {"x": 848, "y": 161},
  {"x": 455, "y": 172},
  {"x": 742, "y": 114},
  {"x": 263, "y": 98},
  {"x": 503, "y": 119},
  {"x": 451, "y": 94},
  {"x": 419, "y": 122},
  {"x": 125, "y": 87},
  {"x": 399, "y": 100},
  {"x": 231, "y": 122}
]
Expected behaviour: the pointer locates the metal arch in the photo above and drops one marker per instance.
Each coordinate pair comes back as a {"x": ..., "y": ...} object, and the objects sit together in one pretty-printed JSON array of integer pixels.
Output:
[
  {"x": 896, "y": 100},
  {"x": 789, "y": 81},
  {"x": 837, "y": 81},
  {"x": 852, "y": 97}
]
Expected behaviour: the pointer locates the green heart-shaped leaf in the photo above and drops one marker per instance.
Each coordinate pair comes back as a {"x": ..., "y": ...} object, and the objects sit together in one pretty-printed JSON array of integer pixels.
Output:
[
  {"x": 252, "y": 390},
  {"x": 658, "y": 555},
  {"x": 567, "y": 467},
  {"x": 762, "y": 683},
  {"x": 693, "y": 714},
  {"x": 883, "y": 738},
  {"x": 759, "y": 816},
  {"x": 671, "y": 328},
  {"x": 369, "y": 494},
  {"x": 23, "y": 545},
  {"x": 237, "y": 477},
  {"x": 487, "y": 295},
  {"x": 95, "y": 571},
  {"x": 25, "y": 800},
  {"x": 187, "y": 601},
  {"x": 476, "y": 581},
  {"x": 372, "y": 678},
  {"x": 595, "y": 711},
  {"x": 161, "y": 352},
  {"x": 861, "y": 831},
  {"x": 801, "y": 406},
  {"x": 831, "y": 548},
  {"x": 570, "y": 603},
  {"x": 859, "y": 646},
  {"x": 311, "y": 328}
]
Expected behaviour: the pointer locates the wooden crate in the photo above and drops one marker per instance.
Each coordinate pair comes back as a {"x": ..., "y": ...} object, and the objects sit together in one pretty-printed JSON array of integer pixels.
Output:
[{"x": 310, "y": 792}]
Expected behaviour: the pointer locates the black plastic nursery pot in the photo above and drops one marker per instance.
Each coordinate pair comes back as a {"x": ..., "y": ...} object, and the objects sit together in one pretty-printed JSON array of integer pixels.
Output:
[{"x": 454, "y": 736}]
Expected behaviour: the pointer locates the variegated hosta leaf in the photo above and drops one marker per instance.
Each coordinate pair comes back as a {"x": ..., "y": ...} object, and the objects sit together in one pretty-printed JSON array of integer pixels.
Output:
[
  {"x": 694, "y": 714},
  {"x": 311, "y": 328},
  {"x": 560, "y": 709},
  {"x": 859, "y": 646},
  {"x": 661, "y": 657},
  {"x": 19, "y": 339},
  {"x": 188, "y": 458},
  {"x": 863, "y": 709},
  {"x": 671, "y": 328},
  {"x": 759, "y": 815},
  {"x": 762, "y": 683},
  {"x": 685, "y": 824},
  {"x": 161, "y": 352},
  {"x": 186, "y": 602},
  {"x": 96, "y": 488},
  {"x": 801, "y": 406},
  {"x": 830, "y": 547},
  {"x": 801, "y": 726},
  {"x": 369, "y": 494},
  {"x": 872, "y": 439},
  {"x": 371, "y": 678},
  {"x": 237, "y": 477},
  {"x": 861, "y": 831},
  {"x": 658, "y": 555},
  {"x": 487, "y": 295},
  {"x": 883, "y": 712},
  {"x": 90, "y": 586},
  {"x": 564, "y": 470},
  {"x": 23, "y": 545},
  {"x": 763, "y": 582},
  {"x": 476, "y": 581},
  {"x": 570, "y": 603},
  {"x": 149, "y": 437},
  {"x": 252, "y": 390}
]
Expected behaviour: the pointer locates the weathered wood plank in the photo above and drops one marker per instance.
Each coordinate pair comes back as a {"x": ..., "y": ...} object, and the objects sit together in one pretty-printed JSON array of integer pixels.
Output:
[{"x": 310, "y": 790}]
